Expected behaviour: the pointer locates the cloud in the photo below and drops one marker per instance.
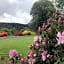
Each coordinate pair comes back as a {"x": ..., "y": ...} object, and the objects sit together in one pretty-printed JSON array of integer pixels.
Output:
[
  {"x": 23, "y": 19},
  {"x": 15, "y": 11}
]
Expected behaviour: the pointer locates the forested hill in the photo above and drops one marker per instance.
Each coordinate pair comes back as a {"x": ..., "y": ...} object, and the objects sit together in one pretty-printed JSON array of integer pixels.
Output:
[{"x": 13, "y": 25}]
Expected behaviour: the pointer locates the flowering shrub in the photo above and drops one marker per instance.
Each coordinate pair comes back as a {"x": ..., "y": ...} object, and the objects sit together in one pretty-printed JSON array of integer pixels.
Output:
[
  {"x": 17, "y": 33},
  {"x": 49, "y": 48},
  {"x": 3, "y": 34},
  {"x": 26, "y": 32},
  {"x": 33, "y": 33}
]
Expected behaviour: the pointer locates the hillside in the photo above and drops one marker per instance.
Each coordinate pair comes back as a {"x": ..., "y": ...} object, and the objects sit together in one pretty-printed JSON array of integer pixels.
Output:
[{"x": 13, "y": 25}]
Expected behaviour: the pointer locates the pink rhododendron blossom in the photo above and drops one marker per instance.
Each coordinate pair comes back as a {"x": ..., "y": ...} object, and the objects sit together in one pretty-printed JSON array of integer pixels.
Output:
[
  {"x": 43, "y": 49},
  {"x": 30, "y": 46},
  {"x": 20, "y": 55},
  {"x": 60, "y": 38},
  {"x": 11, "y": 61},
  {"x": 39, "y": 29},
  {"x": 37, "y": 45},
  {"x": 49, "y": 20},
  {"x": 36, "y": 38},
  {"x": 62, "y": 33},
  {"x": 55, "y": 62},
  {"x": 30, "y": 53},
  {"x": 43, "y": 43},
  {"x": 59, "y": 20},
  {"x": 34, "y": 55},
  {"x": 33, "y": 44},
  {"x": 59, "y": 34},
  {"x": 31, "y": 61},
  {"x": 40, "y": 39},
  {"x": 63, "y": 14},
  {"x": 48, "y": 55},
  {"x": 45, "y": 40},
  {"x": 23, "y": 60},
  {"x": 57, "y": 11},
  {"x": 12, "y": 53},
  {"x": 44, "y": 25},
  {"x": 44, "y": 55}
]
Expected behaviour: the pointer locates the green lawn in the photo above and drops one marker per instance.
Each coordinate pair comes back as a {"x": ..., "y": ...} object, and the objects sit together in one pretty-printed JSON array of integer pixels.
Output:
[{"x": 19, "y": 43}]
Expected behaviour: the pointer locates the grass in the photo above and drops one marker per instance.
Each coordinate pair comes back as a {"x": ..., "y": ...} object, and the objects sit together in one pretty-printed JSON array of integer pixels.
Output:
[{"x": 20, "y": 44}]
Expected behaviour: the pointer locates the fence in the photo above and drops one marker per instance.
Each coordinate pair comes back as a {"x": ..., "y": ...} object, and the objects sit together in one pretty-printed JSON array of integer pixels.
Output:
[{"x": 4, "y": 59}]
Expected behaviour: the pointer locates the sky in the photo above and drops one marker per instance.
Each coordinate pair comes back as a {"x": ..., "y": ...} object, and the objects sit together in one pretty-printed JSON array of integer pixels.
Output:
[{"x": 16, "y": 11}]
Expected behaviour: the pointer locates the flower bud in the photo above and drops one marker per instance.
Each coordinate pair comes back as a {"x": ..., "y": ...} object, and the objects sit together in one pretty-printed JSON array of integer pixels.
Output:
[{"x": 59, "y": 20}]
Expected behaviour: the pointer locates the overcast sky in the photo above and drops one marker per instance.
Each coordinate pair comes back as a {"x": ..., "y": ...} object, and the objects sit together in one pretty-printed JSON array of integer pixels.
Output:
[{"x": 15, "y": 11}]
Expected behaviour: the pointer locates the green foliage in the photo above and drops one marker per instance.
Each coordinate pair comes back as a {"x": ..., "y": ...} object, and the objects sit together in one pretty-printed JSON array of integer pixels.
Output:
[
  {"x": 9, "y": 31},
  {"x": 60, "y": 4},
  {"x": 25, "y": 28},
  {"x": 40, "y": 12}
]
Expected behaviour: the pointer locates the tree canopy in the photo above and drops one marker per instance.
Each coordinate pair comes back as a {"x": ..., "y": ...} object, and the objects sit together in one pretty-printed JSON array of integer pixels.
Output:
[
  {"x": 40, "y": 12},
  {"x": 60, "y": 4}
]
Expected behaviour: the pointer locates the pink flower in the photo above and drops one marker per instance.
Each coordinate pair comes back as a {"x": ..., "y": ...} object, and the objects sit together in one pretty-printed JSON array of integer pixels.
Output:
[
  {"x": 57, "y": 11},
  {"x": 42, "y": 49},
  {"x": 23, "y": 60},
  {"x": 37, "y": 45},
  {"x": 30, "y": 46},
  {"x": 20, "y": 55},
  {"x": 63, "y": 13},
  {"x": 39, "y": 29},
  {"x": 55, "y": 62},
  {"x": 59, "y": 34},
  {"x": 62, "y": 33},
  {"x": 31, "y": 61},
  {"x": 33, "y": 44},
  {"x": 43, "y": 43},
  {"x": 48, "y": 55},
  {"x": 11, "y": 61},
  {"x": 49, "y": 20},
  {"x": 59, "y": 20},
  {"x": 34, "y": 55},
  {"x": 12, "y": 53},
  {"x": 44, "y": 55},
  {"x": 60, "y": 38},
  {"x": 36, "y": 38},
  {"x": 45, "y": 40},
  {"x": 30, "y": 53},
  {"x": 44, "y": 25}
]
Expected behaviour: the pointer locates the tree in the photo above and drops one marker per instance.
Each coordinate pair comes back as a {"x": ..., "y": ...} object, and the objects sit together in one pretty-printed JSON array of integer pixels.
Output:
[
  {"x": 40, "y": 12},
  {"x": 60, "y": 4}
]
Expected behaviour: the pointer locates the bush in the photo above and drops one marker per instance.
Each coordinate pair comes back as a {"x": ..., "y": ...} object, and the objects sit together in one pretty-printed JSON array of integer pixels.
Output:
[
  {"x": 27, "y": 32},
  {"x": 3, "y": 34},
  {"x": 8, "y": 30},
  {"x": 17, "y": 33},
  {"x": 49, "y": 48},
  {"x": 33, "y": 33}
]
